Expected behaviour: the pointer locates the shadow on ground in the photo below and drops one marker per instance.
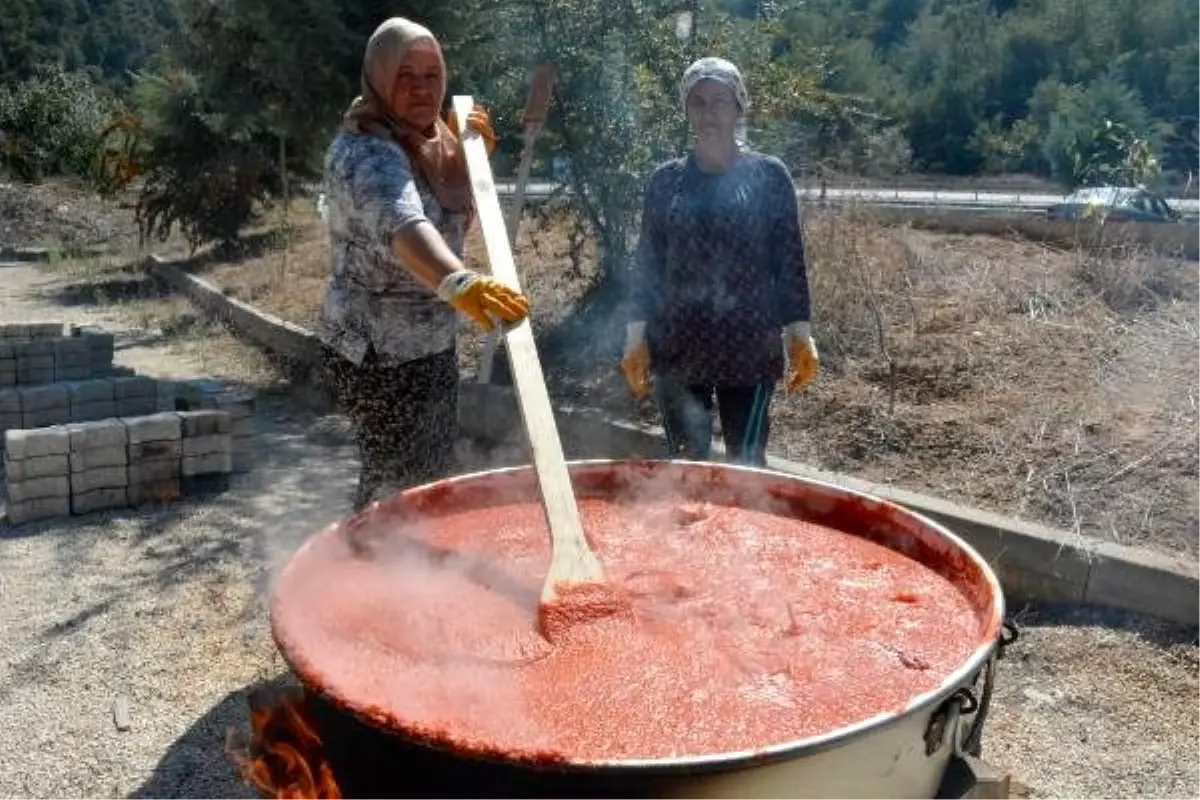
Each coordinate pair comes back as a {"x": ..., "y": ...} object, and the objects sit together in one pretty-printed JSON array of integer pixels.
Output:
[{"x": 197, "y": 764}]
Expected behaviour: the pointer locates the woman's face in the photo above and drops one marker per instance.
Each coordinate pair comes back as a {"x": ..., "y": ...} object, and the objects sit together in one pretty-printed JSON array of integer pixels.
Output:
[
  {"x": 712, "y": 110},
  {"x": 420, "y": 81}
]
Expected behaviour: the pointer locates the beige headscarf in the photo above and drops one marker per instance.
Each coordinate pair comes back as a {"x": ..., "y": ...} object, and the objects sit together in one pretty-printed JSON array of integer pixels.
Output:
[{"x": 435, "y": 152}]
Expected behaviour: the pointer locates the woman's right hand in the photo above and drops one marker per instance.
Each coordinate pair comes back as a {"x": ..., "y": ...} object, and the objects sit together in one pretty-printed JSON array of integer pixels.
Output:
[{"x": 483, "y": 298}]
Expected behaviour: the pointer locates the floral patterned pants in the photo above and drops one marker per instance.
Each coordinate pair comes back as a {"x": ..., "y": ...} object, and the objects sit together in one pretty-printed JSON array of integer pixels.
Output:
[{"x": 405, "y": 418}]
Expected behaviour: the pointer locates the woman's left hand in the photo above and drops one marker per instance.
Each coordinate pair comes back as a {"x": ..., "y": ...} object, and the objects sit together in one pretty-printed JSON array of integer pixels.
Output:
[
  {"x": 478, "y": 121},
  {"x": 803, "y": 362}
]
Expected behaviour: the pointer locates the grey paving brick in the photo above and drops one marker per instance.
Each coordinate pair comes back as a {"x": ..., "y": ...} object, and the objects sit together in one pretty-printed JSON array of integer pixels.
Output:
[
  {"x": 137, "y": 406},
  {"x": 71, "y": 346},
  {"x": 153, "y": 427},
  {"x": 99, "y": 499},
  {"x": 93, "y": 411},
  {"x": 10, "y": 401},
  {"x": 156, "y": 451},
  {"x": 22, "y": 444},
  {"x": 135, "y": 386},
  {"x": 97, "y": 435},
  {"x": 9, "y": 421},
  {"x": 35, "y": 377},
  {"x": 152, "y": 471},
  {"x": 42, "y": 397},
  {"x": 211, "y": 444},
  {"x": 45, "y": 330},
  {"x": 237, "y": 404},
  {"x": 100, "y": 478},
  {"x": 243, "y": 427},
  {"x": 35, "y": 347},
  {"x": 241, "y": 462},
  {"x": 46, "y": 417},
  {"x": 71, "y": 373},
  {"x": 41, "y": 508},
  {"x": 84, "y": 460},
  {"x": 203, "y": 465},
  {"x": 35, "y": 364},
  {"x": 205, "y": 422},
  {"x": 6, "y": 350},
  {"x": 141, "y": 494},
  {"x": 200, "y": 485},
  {"x": 98, "y": 339},
  {"x": 91, "y": 391},
  {"x": 8, "y": 378},
  {"x": 27, "y": 469},
  {"x": 53, "y": 486},
  {"x": 14, "y": 330}
]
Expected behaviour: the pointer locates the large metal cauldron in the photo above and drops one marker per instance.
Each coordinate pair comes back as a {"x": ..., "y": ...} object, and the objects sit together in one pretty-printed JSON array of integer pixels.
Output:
[{"x": 900, "y": 754}]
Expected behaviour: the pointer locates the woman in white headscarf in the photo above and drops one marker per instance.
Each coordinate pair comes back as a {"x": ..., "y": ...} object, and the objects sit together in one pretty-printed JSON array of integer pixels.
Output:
[
  {"x": 719, "y": 301},
  {"x": 399, "y": 202}
]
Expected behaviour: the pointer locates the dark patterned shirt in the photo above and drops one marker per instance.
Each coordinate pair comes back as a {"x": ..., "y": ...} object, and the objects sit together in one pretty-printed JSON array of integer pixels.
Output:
[
  {"x": 372, "y": 299},
  {"x": 719, "y": 270}
]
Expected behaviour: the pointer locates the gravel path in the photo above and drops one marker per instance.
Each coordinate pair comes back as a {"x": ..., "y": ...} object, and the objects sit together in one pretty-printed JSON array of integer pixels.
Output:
[{"x": 166, "y": 611}]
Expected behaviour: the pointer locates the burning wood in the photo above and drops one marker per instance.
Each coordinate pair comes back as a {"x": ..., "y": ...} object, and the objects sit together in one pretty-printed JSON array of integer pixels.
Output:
[{"x": 284, "y": 757}]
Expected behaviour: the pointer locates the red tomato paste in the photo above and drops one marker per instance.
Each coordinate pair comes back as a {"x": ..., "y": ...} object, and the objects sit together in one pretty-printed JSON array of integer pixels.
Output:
[{"x": 739, "y": 630}]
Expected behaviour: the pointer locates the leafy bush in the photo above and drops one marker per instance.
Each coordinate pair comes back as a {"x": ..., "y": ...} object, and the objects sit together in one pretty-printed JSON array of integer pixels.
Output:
[{"x": 50, "y": 124}]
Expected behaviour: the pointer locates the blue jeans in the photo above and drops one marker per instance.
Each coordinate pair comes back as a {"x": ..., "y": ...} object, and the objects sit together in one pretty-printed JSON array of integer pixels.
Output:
[{"x": 687, "y": 417}]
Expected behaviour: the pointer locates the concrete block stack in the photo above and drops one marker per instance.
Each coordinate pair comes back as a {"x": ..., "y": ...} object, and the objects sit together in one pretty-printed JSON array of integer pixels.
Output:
[
  {"x": 10, "y": 410},
  {"x": 32, "y": 330},
  {"x": 155, "y": 457},
  {"x": 72, "y": 359},
  {"x": 135, "y": 395},
  {"x": 8, "y": 364},
  {"x": 37, "y": 472},
  {"x": 35, "y": 361},
  {"x": 94, "y": 399},
  {"x": 99, "y": 347},
  {"x": 43, "y": 406},
  {"x": 207, "y": 451},
  {"x": 207, "y": 394},
  {"x": 98, "y": 464}
]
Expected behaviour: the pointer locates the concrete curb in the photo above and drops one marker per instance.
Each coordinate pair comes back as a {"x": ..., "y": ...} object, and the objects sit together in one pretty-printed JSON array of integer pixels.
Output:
[{"x": 1033, "y": 562}]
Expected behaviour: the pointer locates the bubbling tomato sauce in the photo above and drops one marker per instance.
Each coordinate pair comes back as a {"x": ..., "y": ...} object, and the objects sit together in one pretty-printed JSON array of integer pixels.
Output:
[{"x": 738, "y": 630}]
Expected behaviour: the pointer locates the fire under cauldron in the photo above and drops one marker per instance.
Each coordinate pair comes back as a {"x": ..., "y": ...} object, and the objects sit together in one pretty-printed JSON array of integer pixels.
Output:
[{"x": 905, "y": 753}]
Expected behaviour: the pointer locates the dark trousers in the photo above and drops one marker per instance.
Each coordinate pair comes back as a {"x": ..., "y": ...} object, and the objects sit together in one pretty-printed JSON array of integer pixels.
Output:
[{"x": 687, "y": 417}]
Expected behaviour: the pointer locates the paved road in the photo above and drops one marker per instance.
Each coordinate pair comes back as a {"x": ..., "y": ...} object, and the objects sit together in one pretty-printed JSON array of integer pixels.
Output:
[{"x": 1031, "y": 201}]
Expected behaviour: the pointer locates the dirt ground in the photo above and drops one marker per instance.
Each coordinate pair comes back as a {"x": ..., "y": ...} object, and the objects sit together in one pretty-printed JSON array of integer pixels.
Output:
[{"x": 166, "y": 609}]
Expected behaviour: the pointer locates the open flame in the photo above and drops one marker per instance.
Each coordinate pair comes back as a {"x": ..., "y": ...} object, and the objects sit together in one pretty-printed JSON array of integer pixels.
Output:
[{"x": 284, "y": 757}]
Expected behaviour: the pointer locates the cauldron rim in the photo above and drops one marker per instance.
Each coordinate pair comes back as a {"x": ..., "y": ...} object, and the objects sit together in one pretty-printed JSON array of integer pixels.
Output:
[{"x": 991, "y": 624}]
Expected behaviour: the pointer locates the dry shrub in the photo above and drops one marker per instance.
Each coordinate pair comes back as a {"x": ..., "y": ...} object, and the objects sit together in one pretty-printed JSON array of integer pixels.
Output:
[
  {"x": 859, "y": 282},
  {"x": 1130, "y": 280}
]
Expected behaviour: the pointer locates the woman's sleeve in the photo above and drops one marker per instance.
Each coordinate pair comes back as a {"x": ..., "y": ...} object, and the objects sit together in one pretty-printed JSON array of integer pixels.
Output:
[
  {"x": 787, "y": 246},
  {"x": 650, "y": 256},
  {"x": 385, "y": 194}
]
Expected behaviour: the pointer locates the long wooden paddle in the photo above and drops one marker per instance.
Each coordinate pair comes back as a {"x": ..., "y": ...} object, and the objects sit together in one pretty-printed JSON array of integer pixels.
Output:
[
  {"x": 541, "y": 85},
  {"x": 572, "y": 560}
]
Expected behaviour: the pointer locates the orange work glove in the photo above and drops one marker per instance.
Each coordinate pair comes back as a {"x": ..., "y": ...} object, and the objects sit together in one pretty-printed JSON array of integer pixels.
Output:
[
  {"x": 478, "y": 121},
  {"x": 803, "y": 363},
  {"x": 635, "y": 364},
  {"x": 483, "y": 298}
]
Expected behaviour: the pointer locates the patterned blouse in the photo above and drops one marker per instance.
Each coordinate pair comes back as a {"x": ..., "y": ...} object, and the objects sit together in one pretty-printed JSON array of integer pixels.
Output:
[
  {"x": 372, "y": 192},
  {"x": 719, "y": 270}
]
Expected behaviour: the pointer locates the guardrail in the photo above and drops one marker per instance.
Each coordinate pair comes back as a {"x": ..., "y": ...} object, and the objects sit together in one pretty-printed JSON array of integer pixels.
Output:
[{"x": 964, "y": 200}]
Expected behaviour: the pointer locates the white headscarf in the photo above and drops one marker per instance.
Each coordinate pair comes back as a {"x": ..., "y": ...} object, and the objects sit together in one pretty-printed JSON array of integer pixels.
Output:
[{"x": 725, "y": 72}]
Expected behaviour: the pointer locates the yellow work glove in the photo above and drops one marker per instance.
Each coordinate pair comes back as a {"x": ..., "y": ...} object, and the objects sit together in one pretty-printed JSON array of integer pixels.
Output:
[
  {"x": 478, "y": 121},
  {"x": 635, "y": 364},
  {"x": 483, "y": 299},
  {"x": 803, "y": 363}
]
